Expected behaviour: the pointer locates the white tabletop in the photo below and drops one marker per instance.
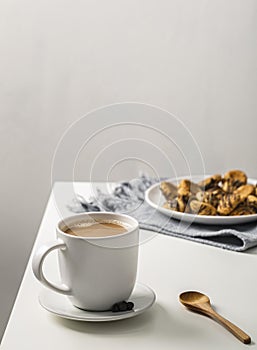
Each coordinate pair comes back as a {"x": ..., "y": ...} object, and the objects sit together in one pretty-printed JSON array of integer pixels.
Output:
[{"x": 169, "y": 265}]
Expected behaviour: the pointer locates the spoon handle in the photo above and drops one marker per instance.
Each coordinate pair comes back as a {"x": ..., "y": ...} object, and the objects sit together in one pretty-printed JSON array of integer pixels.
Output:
[{"x": 239, "y": 333}]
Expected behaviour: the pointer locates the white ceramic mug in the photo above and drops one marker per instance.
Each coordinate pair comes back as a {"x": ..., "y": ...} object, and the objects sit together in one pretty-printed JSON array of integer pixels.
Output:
[{"x": 95, "y": 272}]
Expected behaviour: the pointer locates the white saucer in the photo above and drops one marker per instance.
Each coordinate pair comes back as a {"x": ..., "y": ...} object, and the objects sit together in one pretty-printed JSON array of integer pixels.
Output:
[{"x": 142, "y": 296}]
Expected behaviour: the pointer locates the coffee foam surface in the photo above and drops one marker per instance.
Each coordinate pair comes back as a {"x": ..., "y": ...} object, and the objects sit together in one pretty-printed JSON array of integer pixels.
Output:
[{"x": 91, "y": 223}]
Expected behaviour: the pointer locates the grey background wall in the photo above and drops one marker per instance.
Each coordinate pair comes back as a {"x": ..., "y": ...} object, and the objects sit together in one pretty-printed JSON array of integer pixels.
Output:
[{"x": 60, "y": 59}]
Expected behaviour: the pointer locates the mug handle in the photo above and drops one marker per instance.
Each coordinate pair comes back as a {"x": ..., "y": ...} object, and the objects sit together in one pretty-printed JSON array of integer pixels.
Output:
[{"x": 37, "y": 266}]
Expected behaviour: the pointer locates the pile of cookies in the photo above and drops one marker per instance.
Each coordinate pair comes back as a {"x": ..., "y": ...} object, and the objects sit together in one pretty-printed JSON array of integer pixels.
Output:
[{"x": 216, "y": 195}]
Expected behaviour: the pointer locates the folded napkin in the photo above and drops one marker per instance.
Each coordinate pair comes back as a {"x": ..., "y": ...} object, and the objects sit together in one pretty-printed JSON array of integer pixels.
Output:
[{"x": 128, "y": 198}]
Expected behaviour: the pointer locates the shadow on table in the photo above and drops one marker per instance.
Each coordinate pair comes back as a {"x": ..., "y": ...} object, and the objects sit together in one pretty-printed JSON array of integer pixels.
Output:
[{"x": 156, "y": 322}]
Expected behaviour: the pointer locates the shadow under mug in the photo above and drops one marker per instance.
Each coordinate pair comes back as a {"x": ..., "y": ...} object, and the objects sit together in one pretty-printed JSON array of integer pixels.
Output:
[{"x": 96, "y": 272}]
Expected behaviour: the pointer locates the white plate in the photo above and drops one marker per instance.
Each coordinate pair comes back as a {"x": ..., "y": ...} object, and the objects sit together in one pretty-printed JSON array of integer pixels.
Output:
[
  {"x": 142, "y": 296},
  {"x": 155, "y": 199}
]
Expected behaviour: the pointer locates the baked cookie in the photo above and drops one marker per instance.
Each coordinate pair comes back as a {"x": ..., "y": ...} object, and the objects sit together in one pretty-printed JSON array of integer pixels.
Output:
[
  {"x": 169, "y": 190},
  {"x": 231, "y": 200},
  {"x": 233, "y": 179},
  {"x": 212, "y": 196},
  {"x": 211, "y": 181},
  {"x": 242, "y": 210},
  {"x": 184, "y": 188},
  {"x": 182, "y": 203},
  {"x": 252, "y": 203},
  {"x": 170, "y": 205},
  {"x": 200, "y": 208}
]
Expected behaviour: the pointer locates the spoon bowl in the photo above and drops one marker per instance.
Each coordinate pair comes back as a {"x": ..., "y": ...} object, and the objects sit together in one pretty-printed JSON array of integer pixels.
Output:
[
  {"x": 199, "y": 302},
  {"x": 192, "y": 298}
]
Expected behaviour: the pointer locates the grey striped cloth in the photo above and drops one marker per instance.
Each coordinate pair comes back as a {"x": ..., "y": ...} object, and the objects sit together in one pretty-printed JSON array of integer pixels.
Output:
[{"x": 128, "y": 198}]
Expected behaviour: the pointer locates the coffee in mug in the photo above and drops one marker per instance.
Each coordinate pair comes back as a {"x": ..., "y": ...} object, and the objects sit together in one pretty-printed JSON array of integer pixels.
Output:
[
  {"x": 97, "y": 256},
  {"x": 97, "y": 229}
]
